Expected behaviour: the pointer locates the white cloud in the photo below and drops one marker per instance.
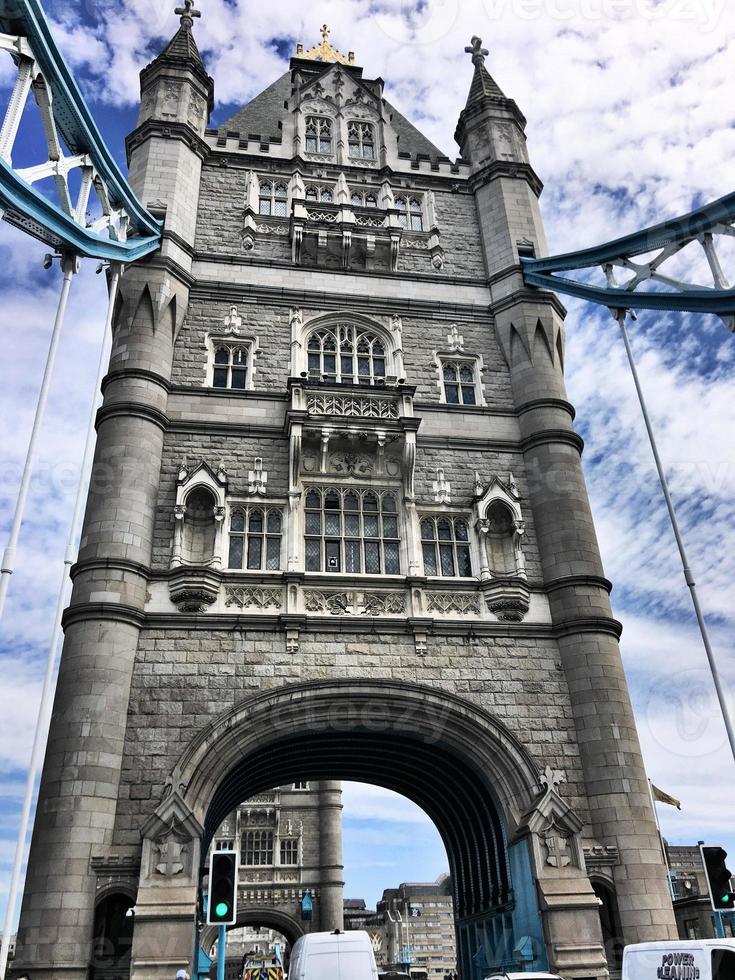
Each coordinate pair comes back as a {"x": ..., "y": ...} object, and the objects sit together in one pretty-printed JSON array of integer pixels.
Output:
[{"x": 630, "y": 120}]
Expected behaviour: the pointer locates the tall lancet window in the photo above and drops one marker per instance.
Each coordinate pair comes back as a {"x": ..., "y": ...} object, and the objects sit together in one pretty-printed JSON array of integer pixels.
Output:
[
  {"x": 347, "y": 354},
  {"x": 318, "y": 135},
  {"x": 361, "y": 137},
  {"x": 410, "y": 213}
]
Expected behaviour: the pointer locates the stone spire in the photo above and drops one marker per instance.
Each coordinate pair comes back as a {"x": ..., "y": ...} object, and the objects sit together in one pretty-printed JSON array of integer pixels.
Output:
[
  {"x": 483, "y": 84},
  {"x": 182, "y": 48}
]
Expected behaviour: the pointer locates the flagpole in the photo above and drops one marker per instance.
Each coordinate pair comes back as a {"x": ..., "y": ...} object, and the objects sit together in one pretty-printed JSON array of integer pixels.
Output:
[{"x": 661, "y": 840}]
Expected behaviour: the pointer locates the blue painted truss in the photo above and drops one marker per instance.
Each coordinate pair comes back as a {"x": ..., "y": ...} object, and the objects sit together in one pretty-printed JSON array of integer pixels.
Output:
[
  {"x": 666, "y": 239},
  {"x": 124, "y": 231}
]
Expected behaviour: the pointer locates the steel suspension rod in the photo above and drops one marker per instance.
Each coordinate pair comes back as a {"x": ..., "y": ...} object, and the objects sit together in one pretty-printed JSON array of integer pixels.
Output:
[
  {"x": 69, "y": 265},
  {"x": 620, "y": 316},
  {"x": 44, "y": 710}
]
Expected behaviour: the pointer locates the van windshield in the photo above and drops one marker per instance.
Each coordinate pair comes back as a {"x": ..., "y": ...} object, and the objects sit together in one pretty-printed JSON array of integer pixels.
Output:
[{"x": 723, "y": 964}]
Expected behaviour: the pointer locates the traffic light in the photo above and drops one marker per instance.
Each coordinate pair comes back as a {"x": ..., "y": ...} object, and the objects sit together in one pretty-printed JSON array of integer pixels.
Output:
[
  {"x": 222, "y": 904},
  {"x": 719, "y": 879}
]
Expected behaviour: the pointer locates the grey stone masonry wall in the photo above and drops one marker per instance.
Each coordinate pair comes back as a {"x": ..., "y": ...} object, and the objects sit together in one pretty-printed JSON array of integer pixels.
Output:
[{"x": 184, "y": 678}]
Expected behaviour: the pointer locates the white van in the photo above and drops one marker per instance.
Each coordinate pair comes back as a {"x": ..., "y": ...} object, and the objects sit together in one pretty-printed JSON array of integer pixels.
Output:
[
  {"x": 333, "y": 956},
  {"x": 687, "y": 959}
]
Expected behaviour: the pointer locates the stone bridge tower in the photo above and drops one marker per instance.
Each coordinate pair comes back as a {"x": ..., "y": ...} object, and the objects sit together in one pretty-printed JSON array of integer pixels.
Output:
[{"x": 338, "y": 529}]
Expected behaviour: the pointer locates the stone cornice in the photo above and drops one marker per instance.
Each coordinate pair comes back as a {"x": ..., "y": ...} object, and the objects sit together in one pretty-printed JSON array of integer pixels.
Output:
[
  {"x": 227, "y": 258},
  {"x": 526, "y": 295},
  {"x": 115, "y": 612},
  {"x": 455, "y": 182},
  {"x": 166, "y": 130},
  {"x": 574, "y": 581},
  {"x": 141, "y": 374},
  {"x": 541, "y": 403},
  {"x": 509, "y": 169},
  {"x": 113, "y": 564},
  {"x": 553, "y": 437},
  {"x": 219, "y": 291},
  {"x": 131, "y": 409}
]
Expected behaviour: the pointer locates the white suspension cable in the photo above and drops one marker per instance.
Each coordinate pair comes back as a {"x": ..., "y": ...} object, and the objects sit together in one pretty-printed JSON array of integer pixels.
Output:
[
  {"x": 620, "y": 316},
  {"x": 44, "y": 710},
  {"x": 69, "y": 265}
]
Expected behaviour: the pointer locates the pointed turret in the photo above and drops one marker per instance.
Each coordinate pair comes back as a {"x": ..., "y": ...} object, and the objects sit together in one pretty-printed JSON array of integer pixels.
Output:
[
  {"x": 175, "y": 86},
  {"x": 182, "y": 52},
  {"x": 483, "y": 85},
  {"x": 491, "y": 126}
]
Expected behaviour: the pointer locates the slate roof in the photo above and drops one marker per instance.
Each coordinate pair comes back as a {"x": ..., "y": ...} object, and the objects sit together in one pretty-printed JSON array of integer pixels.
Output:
[{"x": 261, "y": 116}]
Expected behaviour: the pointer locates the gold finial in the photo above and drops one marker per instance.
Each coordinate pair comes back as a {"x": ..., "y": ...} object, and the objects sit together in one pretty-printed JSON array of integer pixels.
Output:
[{"x": 325, "y": 51}]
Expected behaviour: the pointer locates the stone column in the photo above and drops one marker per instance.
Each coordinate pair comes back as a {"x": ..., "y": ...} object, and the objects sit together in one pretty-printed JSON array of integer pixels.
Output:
[
  {"x": 79, "y": 787},
  {"x": 331, "y": 888}
]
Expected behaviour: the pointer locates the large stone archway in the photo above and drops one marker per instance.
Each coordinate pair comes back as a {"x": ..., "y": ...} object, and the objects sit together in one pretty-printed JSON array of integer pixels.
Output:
[
  {"x": 486, "y": 796},
  {"x": 266, "y": 918}
]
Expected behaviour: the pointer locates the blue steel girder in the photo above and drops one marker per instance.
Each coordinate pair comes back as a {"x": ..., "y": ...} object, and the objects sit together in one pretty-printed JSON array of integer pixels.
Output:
[
  {"x": 126, "y": 231},
  {"x": 667, "y": 240}
]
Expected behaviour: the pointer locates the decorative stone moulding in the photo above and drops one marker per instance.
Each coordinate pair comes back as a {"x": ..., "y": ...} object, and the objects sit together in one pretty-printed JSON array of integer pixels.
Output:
[
  {"x": 194, "y": 590},
  {"x": 354, "y": 603},
  {"x": 508, "y": 599},
  {"x": 254, "y": 597}
]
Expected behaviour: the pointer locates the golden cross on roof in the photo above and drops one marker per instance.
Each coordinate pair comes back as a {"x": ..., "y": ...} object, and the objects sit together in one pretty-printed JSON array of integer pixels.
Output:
[{"x": 325, "y": 51}]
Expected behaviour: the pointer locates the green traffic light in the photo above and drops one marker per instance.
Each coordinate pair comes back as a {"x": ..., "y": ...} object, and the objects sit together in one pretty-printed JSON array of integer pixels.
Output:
[{"x": 221, "y": 909}]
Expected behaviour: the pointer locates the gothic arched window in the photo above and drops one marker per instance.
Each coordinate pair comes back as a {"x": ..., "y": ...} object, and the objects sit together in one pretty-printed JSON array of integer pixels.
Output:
[
  {"x": 318, "y": 135},
  {"x": 255, "y": 538},
  {"x": 347, "y": 354},
  {"x": 273, "y": 199},
  {"x": 322, "y": 195},
  {"x": 460, "y": 381},
  {"x": 410, "y": 213},
  {"x": 361, "y": 136},
  {"x": 362, "y": 199},
  {"x": 230, "y": 366},
  {"x": 351, "y": 531},
  {"x": 445, "y": 542}
]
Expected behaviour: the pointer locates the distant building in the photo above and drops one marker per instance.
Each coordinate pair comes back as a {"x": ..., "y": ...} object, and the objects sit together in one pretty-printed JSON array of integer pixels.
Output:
[
  {"x": 290, "y": 844},
  {"x": 692, "y": 908},
  {"x": 420, "y": 916},
  {"x": 358, "y": 916}
]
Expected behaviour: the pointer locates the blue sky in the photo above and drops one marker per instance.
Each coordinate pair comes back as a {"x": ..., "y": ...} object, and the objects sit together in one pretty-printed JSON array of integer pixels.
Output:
[{"x": 630, "y": 120}]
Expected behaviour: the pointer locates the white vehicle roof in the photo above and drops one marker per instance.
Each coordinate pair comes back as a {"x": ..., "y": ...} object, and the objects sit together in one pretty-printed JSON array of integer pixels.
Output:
[
  {"x": 680, "y": 944},
  {"x": 523, "y": 976},
  {"x": 356, "y": 937}
]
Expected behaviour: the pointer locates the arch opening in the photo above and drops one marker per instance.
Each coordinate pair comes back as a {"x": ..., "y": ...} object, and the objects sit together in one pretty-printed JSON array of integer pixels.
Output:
[
  {"x": 442, "y": 752},
  {"x": 113, "y": 936}
]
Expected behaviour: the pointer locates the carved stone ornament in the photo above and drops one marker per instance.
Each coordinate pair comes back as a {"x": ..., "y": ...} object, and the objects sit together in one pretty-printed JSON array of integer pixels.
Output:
[
  {"x": 173, "y": 855},
  {"x": 171, "y": 838},
  {"x": 253, "y": 597},
  {"x": 554, "y": 829},
  {"x": 462, "y": 603},
  {"x": 556, "y": 845},
  {"x": 355, "y": 603}
]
